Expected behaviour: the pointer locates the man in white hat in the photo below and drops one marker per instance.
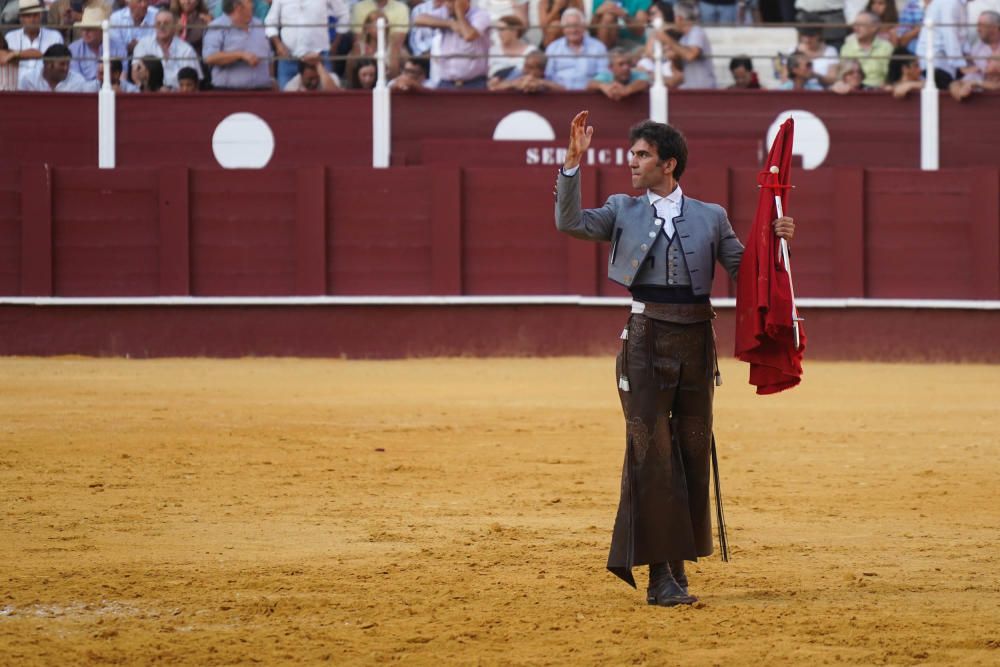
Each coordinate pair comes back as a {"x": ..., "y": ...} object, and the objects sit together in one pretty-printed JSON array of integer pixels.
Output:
[
  {"x": 30, "y": 41},
  {"x": 89, "y": 48}
]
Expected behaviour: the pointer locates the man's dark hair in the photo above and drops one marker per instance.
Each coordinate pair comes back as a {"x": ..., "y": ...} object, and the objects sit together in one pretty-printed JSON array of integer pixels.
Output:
[
  {"x": 188, "y": 73},
  {"x": 422, "y": 63},
  {"x": 741, "y": 61},
  {"x": 809, "y": 30},
  {"x": 303, "y": 66},
  {"x": 229, "y": 6},
  {"x": 58, "y": 51},
  {"x": 116, "y": 66},
  {"x": 669, "y": 142}
]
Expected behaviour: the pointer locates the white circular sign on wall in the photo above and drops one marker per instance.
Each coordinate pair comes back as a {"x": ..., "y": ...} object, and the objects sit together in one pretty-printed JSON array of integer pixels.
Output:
[
  {"x": 811, "y": 140},
  {"x": 243, "y": 141},
  {"x": 523, "y": 126}
]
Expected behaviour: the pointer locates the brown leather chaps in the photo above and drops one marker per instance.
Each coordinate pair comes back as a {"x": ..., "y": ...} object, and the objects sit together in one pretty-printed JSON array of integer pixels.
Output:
[{"x": 664, "y": 513}]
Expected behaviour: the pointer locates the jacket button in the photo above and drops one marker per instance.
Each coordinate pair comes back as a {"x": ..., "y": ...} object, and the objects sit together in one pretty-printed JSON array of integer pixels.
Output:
[
  {"x": 657, "y": 223},
  {"x": 671, "y": 281},
  {"x": 652, "y": 235},
  {"x": 644, "y": 247}
]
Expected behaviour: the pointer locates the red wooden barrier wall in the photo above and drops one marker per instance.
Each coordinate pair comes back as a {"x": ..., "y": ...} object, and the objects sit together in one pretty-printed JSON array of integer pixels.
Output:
[{"x": 76, "y": 231}]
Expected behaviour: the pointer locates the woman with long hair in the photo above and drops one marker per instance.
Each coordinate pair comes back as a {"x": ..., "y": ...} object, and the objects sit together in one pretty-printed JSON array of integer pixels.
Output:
[
  {"x": 147, "y": 74},
  {"x": 889, "y": 15},
  {"x": 192, "y": 19}
]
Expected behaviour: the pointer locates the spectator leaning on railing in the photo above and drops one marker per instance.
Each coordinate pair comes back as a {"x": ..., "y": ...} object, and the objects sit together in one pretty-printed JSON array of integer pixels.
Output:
[
  {"x": 872, "y": 51},
  {"x": 620, "y": 80},
  {"x": 800, "y": 74},
  {"x": 297, "y": 28},
  {"x": 237, "y": 49},
  {"x": 188, "y": 80},
  {"x": 413, "y": 77},
  {"x": 744, "y": 78},
  {"x": 55, "y": 75},
  {"x": 89, "y": 48},
  {"x": 823, "y": 56},
  {"x": 904, "y": 74},
  {"x": 508, "y": 52},
  {"x": 31, "y": 40},
  {"x": 576, "y": 57},
  {"x": 983, "y": 71},
  {"x": 312, "y": 76},
  {"x": 528, "y": 79},
  {"x": 173, "y": 52},
  {"x": 464, "y": 46}
]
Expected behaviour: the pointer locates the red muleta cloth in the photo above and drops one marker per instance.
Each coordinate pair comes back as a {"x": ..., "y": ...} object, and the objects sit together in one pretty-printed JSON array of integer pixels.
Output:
[{"x": 764, "y": 333}]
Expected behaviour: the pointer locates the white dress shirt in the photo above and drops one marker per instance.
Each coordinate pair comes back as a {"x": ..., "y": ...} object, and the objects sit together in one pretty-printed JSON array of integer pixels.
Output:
[
  {"x": 124, "y": 29},
  {"x": 18, "y": 41},
  {"x": 667, "y": 208},
  {"x": 303, "y": 23},
  {"x": 73, "y": 83},
  {"x": 179, "y": 55}
]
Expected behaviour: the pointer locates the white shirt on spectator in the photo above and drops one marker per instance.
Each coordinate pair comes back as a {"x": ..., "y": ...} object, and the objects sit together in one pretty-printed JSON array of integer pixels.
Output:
[
  {"x": 125, "y": 29},
  {"x": 180, "y": 55},
  {"x": 949, "y": 36},
  {"x": 302, "y": 24},
  {"x": 73, "y": 83},
  {"x": 420, "y": 37},
  {"x": 18, "y": 41},
  {"x": 826, "y": 63}
]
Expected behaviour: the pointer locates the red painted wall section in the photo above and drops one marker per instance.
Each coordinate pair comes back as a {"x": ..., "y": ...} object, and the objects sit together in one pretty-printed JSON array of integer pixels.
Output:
[
  {"x": 334, "y": 130},
  {"x": 10, "y": 231}
]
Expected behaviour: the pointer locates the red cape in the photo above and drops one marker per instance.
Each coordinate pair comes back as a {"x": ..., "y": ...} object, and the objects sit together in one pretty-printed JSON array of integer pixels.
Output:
[{"x": 764, "y": 333}]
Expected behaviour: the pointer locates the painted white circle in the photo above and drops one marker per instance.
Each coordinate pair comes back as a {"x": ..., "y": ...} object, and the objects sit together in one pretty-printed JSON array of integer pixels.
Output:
[
  {"x": 243, "y": 141},
  {"x": 523, "y": 126},
  {"x": 812, "y": 141}
]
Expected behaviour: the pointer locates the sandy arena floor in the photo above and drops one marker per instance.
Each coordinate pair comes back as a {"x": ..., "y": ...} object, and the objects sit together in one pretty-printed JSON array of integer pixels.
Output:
[{"x": 458, "y": 511}]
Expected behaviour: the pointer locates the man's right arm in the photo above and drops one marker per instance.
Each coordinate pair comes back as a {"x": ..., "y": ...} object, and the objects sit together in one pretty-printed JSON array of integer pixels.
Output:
[{"x": 592, "y": 224}]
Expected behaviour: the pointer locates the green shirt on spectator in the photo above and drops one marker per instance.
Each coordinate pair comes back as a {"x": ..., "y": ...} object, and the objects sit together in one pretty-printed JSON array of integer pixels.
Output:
[{"x": 874, "y": 60}]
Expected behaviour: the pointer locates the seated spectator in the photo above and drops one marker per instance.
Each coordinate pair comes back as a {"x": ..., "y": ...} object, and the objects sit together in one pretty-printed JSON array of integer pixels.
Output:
[
  {"x": 741, "y": 67},
  {"x": 904, "y": 73},
  {"x": 55, "y": 75},
  {"x": 89, "y": 48},
  {"x": 464, "y": 46},
  {"x": 118, "y": 84},
  {"x": 187, "y": 80},
  {"x": 366, "y": 45},
  {"x": 365, "y": 75},
  {"x": 576, "y": 57},
  {"x": 237, "y": 49},
  {"x": 146, "y": 74},
  {"x": 619, "y": 80},
  {"x": 686, "y": 41},
  {"x": 313, "y": 75},
  {"x": 508, "y": 52},
  {"x": 550, "y": 13},
  {"x": 823, "y": 56},
  {"x": 984, "y": 58},
  {"x": 871, "y": 50},
  {"x": 888, "y": 17},
  {"x": 614, "y": 21},
  {"x": 192, "y": 18},
  {"x": 800, "y": 74},
  {"x": 911, "y": 18},
  {"x": 850, "y": 79},
  {"x": 397, "y": 15},
  {"x": 133, "y": 22},
  {"x": 529, "y": 79},
  {"x": 413, "y": 76},
  {"x": 28, "y": 42},
  {"x": 298, "y": 28},
  {"x": 8, "y": 66},
  {"x": 173, "y": 52}
]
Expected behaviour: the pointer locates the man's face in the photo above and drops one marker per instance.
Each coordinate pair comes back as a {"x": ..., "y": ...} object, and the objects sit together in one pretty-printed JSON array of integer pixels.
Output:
[
  {"x": 809, "y": 42},
  {"x": 165, "y": 26},
  {"x": 647, "y": 169},
  {"x": 864, "y": 27},
  {"x": 116, "y": 75},
  {"x": 31, "y": 20},
  {"x": 138, "y": 9},
  {"x": 187, "y": 86},
  {"x": 741, "y": 76},
  {"x": 621, "y": 69},
  {"x": 92, "y": 36},
  {"x": 310, "y": 78},
  {"x": 56, "y": 71},
  {"x": 988, "y": 31},
  {"x": 534, "y": 67},
  {"x": 573, "y": 30},
  {"x": 413, "y": 72}
]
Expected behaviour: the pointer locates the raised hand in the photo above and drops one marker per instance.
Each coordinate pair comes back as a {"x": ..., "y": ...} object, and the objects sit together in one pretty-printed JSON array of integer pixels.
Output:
[{"x": 579, "y": 139}]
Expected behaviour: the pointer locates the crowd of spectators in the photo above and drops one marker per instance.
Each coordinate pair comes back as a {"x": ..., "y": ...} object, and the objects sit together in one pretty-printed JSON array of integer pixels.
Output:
[{"x": 530, "y": 46}]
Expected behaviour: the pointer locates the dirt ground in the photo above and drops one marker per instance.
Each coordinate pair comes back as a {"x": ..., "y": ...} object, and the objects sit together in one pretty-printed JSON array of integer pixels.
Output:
[{"x": 458, "y": 512}]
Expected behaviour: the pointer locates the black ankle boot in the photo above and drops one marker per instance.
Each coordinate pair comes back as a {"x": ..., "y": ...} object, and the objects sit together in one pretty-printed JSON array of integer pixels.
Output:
[
  {"x": 663, "y": 589},
  {"x": 677, "y": 569}
]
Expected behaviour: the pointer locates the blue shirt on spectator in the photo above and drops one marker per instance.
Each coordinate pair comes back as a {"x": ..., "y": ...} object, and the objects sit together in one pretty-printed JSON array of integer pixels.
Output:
[
  {"x": 85, "y": 61},
  {"x": 573, "y": 69},
  {"x": 223, "y": 37},
  {"x": 124, "y": 29}
]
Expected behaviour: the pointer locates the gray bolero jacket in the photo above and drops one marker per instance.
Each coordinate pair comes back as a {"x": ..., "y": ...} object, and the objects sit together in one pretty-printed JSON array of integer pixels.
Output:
[{"x": 629, "y": 224}]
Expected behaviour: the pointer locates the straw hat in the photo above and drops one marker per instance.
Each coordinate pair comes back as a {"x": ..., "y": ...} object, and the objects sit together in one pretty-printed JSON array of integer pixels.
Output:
[
  {"x": 92, "y": 18},
  {"x": 30, "y": 7}
]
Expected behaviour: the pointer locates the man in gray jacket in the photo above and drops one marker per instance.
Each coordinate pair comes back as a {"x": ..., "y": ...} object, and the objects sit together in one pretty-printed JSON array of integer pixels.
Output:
[{"x": 664, "y": 247}]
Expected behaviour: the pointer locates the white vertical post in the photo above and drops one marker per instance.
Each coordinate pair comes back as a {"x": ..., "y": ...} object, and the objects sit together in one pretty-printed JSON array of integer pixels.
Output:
[
  {"x": 106, "y": 109},
  {"x": 929, "y": 97},
  {"x": 658, "y": 92},
  {"x": 380, "y": 105}
]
